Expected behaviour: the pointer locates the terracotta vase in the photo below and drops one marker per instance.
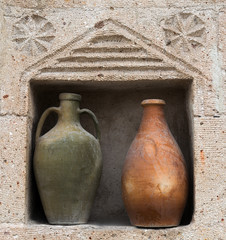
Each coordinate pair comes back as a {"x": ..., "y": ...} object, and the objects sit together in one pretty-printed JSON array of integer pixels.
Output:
[
  {"x": 67, "y": 164},
  {"x": 154, "y": 178}
]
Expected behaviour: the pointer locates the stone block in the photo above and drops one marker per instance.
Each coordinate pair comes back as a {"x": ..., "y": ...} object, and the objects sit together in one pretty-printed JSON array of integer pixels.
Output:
[
  {"x": 222, "y": 58},
  {"x": 13, "y": 165},
  {"x": 13, "y": 65},
  {"x": 23, "y": 3},
  {"x": 65, "y": 25},
  {"x": 221, "y": 35},
  {"x": 209, "y": 171},
  {"x": 109, "y": 4},
  {"x": 193, "y": 3}
]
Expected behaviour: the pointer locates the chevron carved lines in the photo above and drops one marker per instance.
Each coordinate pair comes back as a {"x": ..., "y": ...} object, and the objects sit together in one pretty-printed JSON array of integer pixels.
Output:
[{"x": 109, "y": 53}]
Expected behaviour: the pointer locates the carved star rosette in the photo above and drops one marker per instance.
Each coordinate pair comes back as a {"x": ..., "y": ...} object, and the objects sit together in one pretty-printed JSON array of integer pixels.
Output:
[
  {"x": 185, "y": 32},
  {"x": 33, "y": 34}
]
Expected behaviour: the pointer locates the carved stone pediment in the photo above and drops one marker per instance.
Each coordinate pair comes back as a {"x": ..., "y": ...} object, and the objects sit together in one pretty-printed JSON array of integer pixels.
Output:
[{"x": 111, "y": 51}]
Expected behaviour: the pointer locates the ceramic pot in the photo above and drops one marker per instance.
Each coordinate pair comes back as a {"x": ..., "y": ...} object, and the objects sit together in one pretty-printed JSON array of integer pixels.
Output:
[
  {"x": 67, "y": 164},
  {"x": 154, "y": 178}
]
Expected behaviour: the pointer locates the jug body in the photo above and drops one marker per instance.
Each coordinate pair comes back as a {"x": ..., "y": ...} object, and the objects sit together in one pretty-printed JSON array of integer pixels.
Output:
[
  {"x": 67, "y": 165},
  {"x": 154, "y": 178}
]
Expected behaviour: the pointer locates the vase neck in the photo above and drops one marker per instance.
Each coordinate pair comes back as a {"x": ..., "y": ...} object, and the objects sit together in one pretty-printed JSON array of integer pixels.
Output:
[
  {"x": 153, "y": 116},
  {"x": 69, "y": 111}
]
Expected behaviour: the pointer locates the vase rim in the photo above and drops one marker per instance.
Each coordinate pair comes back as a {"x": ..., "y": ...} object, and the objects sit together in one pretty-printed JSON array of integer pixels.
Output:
[
  {"x": 153, "y": 101},
  {"x": 70, "y": 96}
]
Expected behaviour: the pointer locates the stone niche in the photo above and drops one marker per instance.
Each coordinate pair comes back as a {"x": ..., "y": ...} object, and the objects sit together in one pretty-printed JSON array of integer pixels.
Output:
[
  {"x": 113, "y": 69},
  {"x": 115, "y": 54},
  {"x": 117, "y": 107}
]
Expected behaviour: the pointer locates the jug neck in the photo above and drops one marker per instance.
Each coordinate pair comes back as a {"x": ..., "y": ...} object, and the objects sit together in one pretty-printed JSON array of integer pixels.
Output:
[
  {"x": 69, "y": 108},
  {"x": 153, "y": 115}
]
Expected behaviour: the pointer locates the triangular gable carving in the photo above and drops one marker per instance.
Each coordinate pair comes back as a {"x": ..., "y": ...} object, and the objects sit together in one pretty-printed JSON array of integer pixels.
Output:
[
  {"x": 140, "y": 59},
  {"x": 111, "y": 50}
]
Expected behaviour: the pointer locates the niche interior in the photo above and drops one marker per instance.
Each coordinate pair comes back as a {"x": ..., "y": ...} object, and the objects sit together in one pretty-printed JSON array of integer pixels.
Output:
[{"x": 117, "y": 107}]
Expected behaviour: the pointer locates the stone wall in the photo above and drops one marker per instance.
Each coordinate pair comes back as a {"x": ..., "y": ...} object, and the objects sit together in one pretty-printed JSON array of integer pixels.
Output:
[{"x": 104, "y": 46}]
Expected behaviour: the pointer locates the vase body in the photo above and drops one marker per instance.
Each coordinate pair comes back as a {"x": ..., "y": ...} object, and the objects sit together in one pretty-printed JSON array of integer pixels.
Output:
[
  {"x": 154, "y": 178},
  {"x": 67, "y": 164}
]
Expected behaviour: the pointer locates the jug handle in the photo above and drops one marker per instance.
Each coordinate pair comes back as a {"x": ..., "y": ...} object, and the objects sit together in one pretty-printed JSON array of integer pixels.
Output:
[
  {"x": 84, "y": 110},
  {"x": 42, "y": 120}
]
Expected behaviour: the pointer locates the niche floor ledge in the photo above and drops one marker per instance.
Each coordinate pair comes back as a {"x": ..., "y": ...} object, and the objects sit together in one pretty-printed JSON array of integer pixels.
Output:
[{"x": 88, "y": 231}]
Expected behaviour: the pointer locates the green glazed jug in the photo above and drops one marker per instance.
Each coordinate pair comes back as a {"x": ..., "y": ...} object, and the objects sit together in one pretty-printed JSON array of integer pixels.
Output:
[{"x": 67, "y": 164}]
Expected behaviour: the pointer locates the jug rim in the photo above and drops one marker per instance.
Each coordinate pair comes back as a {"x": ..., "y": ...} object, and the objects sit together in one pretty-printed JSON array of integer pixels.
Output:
[
  {"x": 153, "y": 101},
  {"x": 70, "y": 96}
]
